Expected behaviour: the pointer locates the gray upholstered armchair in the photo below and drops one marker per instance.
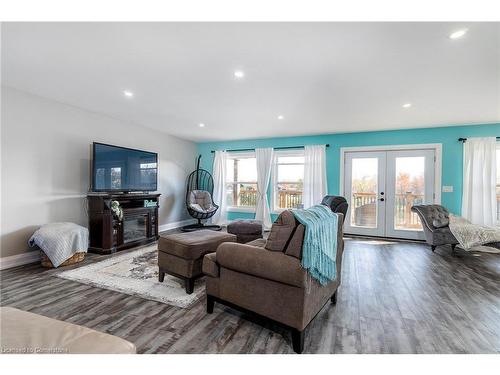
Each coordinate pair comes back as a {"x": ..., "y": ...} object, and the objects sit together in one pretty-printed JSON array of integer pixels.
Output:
[
  {"x": 337, "y": 204},
  {"x": 435, "y": 221}
]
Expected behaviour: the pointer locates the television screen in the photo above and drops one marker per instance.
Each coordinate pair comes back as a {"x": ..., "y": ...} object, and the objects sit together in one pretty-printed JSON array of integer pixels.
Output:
[{"x": 123, "y": 169}]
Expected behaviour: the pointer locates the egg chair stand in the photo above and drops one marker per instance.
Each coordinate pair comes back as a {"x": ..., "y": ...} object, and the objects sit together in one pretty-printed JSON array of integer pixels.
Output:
[
  {"x": 199, "y": 203},
  {"x": 200, "y": 226}
]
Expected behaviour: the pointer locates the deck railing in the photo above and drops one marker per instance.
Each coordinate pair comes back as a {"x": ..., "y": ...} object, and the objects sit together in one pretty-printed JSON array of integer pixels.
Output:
[
  {"x": 289, "y": 199},
  {"x": 364, "y": 204},
  {"x": 286, "y": 198},
  {"x": 247, "y": 198},
  {"x": 405, "y": 218}
]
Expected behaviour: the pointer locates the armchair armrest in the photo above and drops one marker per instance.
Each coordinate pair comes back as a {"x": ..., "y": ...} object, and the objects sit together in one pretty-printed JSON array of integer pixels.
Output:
[
  {"x": 259, "y": 262},
  {"x": 210, "y": 266}
]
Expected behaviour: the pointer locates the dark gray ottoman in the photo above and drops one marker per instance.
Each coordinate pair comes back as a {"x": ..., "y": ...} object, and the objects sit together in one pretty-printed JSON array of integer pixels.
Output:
[
  {"x": 245, "y": 230},
  {"x": 181, "y": 254}
]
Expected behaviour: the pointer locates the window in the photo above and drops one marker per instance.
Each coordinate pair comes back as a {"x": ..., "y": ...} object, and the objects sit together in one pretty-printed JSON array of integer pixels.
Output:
[
  {"x": 99, "y": 178},
  {"x": 241, "y": 180},
  {"x": 148, "y": 173},
  {"x": 498, "y": 182},
  {"x": 111, "y": 177},
  {"x": 288, "y": 179},
  {"x": 116, "y": 178}
]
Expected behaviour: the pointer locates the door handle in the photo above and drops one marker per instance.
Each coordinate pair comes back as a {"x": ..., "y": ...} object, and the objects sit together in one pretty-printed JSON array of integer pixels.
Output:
[{"x": 382, "y": 199}]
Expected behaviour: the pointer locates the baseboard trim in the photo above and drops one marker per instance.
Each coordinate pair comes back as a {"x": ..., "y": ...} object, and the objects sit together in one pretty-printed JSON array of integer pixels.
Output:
[
  {"x": 394, "y": 239},
  {"x": 176, "y": 224},
  {"x": 19, "y": 260}
]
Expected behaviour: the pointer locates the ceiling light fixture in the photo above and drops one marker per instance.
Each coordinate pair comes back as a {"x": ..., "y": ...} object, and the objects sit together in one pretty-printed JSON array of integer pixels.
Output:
[
  {"x": 407, "y": 105},
  {"x": 458, "y": 34},
  {"x": 201, "y": 125},
  {"x": 281, "y": 117},
  {"x": 239, "y": 74},
  {"x": 128, "y": 93}
]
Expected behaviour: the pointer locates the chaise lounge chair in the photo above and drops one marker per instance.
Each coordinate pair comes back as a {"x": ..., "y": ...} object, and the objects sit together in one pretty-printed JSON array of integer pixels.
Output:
[{"x": 435, "y": 221}]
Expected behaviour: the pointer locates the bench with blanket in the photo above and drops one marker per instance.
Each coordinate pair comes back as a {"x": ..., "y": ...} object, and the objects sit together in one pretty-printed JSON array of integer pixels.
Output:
[{"x": 61, "y": 242}]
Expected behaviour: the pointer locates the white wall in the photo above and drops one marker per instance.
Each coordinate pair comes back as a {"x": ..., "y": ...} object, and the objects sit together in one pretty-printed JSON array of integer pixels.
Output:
[{"x": 45, "y": 156}]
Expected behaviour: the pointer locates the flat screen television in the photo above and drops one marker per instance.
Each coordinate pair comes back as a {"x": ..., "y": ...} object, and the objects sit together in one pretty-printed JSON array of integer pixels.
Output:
[{"x": 121, "y": 169}]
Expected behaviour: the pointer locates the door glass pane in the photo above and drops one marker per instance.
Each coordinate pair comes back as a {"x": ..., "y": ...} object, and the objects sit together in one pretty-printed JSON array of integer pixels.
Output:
[
  {"x": 364, "y": 192},
  {"x": 410, "y": 190}
]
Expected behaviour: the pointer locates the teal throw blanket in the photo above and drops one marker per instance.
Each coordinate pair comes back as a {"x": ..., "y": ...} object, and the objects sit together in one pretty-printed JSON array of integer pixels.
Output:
[{"x": 319, "y": 250}]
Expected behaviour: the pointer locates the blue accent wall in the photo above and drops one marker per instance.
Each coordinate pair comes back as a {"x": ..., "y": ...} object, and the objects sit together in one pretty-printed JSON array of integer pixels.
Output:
[{"x": 452, "y": 158}]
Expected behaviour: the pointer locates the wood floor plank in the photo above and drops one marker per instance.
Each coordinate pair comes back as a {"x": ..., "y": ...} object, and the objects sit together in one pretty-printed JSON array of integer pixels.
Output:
[{"x": 372, "y": 335}]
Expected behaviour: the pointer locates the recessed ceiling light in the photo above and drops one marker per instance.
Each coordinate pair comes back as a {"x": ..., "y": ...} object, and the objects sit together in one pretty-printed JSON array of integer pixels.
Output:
[
  {"x": 458, "y": 34},
  {"x": 407, "y": 105},
  {"x": 239, "y": 74},
  {"x": 128, "y": 93},
  {"x": 201, "y": 125},
  {"x": 281, "y": 117}
]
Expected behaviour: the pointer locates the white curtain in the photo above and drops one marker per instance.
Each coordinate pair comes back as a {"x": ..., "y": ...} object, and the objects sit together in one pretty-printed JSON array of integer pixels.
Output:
[
  {"x": 314, "y": 175},
  {"x": 219, "y": 196},
  {"x": 479, "y": 199},
  {"x": 264, "y": 158}
]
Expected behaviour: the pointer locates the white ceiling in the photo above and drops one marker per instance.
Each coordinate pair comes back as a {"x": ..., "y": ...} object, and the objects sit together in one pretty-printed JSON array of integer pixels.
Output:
[{"x": 323, "y": 77}]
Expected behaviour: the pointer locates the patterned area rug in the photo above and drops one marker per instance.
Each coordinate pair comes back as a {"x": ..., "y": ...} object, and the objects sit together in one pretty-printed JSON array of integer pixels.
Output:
[{"x": 136, "y": 273}]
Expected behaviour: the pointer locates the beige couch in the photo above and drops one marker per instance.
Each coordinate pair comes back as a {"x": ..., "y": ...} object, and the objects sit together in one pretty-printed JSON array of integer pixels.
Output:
[
  {"x": 27, "y": 333},
  {"x": 265, "y": 278}
]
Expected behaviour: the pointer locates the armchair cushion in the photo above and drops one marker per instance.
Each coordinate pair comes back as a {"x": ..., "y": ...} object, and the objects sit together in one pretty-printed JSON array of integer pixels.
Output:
[
  {"x": 259, "y": 242},
  {"x": 259, "y": 262},
  {"x": 281, "y": 231},
  {"x": 201, "y": 201},
  {"x": 294, "y": 247}
]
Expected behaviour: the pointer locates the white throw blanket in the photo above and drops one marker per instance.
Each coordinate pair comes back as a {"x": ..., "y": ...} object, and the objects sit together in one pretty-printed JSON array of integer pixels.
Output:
[
  {"x": 60, "y": 241},
  {"x": 472, "y": 237}
]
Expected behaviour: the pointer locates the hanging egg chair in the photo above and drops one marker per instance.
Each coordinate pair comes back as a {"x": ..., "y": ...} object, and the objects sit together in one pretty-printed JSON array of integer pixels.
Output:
[{"x": 199, "y": 203}]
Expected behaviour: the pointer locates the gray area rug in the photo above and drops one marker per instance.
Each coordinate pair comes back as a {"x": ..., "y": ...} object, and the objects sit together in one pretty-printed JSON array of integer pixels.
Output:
[{"x": 136, "y": 273}]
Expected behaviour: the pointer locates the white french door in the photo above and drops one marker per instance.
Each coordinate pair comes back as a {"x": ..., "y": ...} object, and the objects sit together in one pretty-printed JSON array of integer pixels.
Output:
[
  {"x": 382, "y": 186},
  {"x": 365, "y": 191}
]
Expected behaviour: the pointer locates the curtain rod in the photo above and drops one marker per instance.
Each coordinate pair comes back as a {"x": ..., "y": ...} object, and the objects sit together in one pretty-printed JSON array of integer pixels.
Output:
[
  {"x": 464, "y": 139},
  {"x": 275, "y": 148}
]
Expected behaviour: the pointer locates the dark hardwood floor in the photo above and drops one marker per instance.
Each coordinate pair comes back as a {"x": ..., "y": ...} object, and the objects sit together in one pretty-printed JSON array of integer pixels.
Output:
[{"x": 394, "y": 298}]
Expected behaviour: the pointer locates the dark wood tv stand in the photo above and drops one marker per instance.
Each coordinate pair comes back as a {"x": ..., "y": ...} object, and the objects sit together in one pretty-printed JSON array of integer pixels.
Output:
[{"x": 138, "y": 227}]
